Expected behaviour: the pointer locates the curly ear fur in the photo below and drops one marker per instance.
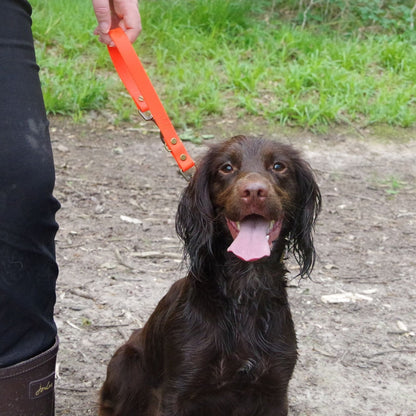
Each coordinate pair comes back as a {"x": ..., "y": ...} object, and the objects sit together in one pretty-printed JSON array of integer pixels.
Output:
[
  {"x": 308, "y": 208},
  {"x": 195, "y": 218}
]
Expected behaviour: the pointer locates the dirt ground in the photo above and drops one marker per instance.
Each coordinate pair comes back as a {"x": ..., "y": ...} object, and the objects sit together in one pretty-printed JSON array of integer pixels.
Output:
[{"x": 118, "y": 254}]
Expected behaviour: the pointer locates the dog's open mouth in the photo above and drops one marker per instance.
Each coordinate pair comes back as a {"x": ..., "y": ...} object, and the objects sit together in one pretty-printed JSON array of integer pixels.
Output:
[{"x": 253, "y": 237}]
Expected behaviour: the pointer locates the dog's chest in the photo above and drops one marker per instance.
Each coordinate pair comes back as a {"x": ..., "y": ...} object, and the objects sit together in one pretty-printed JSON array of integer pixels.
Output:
[
  {"x": 240, "y": 367},
  {"x": 244, "y": 355}
]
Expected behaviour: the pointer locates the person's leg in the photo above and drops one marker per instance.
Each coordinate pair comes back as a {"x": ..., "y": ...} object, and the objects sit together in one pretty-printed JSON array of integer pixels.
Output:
[{"x": 28, "y": 269}]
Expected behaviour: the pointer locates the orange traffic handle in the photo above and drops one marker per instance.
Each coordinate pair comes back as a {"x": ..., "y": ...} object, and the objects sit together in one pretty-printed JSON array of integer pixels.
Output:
[{"x": 139, "y": 86}]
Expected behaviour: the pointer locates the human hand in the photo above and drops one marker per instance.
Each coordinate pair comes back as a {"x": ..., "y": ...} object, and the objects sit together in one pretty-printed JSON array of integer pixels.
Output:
[{"x": 117, "y": 13}]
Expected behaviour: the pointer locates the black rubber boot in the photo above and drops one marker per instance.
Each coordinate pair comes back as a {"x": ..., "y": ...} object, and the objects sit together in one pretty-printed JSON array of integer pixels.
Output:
[{"x": 28, "y": 388}]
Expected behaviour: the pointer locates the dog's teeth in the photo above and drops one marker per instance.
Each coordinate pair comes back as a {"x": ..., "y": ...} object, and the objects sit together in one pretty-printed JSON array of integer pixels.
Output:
[
  {"x": 272, "y": 223},
  {"x": 238, "y": 225}
]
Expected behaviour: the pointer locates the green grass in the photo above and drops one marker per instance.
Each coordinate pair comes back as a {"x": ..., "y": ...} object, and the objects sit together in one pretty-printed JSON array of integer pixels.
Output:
[
  {"x": 310, "y": 68},
  {"x": 393, "y": 185}
]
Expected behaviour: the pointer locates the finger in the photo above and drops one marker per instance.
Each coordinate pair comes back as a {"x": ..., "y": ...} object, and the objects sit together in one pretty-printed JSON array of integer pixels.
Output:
[
  {"x": 133, "y": 32},
  {"x": 130, "y": 22},
  {"x": 104, "y": 38},
  {"x": 103, "y": 13},
  {"x": 133, "y": 24}
]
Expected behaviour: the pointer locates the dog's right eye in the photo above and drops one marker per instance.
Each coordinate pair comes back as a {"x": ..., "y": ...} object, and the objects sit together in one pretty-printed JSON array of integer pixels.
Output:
[{"x": 227, "y": 168}]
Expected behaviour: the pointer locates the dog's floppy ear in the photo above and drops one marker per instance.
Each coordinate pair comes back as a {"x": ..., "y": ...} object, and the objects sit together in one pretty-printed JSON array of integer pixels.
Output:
[
  {"x": 308, "y": 207},
  {"x": 195, "y": 217}
]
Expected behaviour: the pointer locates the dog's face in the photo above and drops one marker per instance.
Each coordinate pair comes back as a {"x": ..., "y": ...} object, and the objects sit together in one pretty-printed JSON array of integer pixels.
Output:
[
  {"x": 254, "y": 190},
  {"x": 261, "y": 193}
]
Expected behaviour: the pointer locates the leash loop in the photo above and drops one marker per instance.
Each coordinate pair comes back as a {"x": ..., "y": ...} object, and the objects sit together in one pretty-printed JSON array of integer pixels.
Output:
[{"x": 139, "y": 86}]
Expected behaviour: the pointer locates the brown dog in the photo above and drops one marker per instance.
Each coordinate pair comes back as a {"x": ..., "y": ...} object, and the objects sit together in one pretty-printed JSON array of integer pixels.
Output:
[{"x": 222, "y": 341}]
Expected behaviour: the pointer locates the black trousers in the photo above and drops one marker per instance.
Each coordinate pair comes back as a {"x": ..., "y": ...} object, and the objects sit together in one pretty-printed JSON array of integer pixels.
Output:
[{"x": 28, "y": 269}]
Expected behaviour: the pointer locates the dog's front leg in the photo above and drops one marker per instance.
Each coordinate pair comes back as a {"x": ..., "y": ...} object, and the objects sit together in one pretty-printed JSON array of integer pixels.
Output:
[{"x": 126, "y": 391}]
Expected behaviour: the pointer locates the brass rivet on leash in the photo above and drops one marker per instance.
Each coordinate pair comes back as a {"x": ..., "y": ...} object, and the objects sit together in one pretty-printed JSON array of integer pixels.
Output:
[{"x": 133, "y": 75}]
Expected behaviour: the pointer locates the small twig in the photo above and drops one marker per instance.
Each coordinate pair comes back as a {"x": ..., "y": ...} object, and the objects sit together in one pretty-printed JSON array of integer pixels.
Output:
[
  {"x": 72, "y": 389},
  {"x": 391, "y": 352},
  {"x": 397, "y": 332},
  {"x": 364, "y": 280},
  {"x": 406, "y": 214},
  {"x": 73, "y": 189},
  {"x": 117, "y": 239},
  {"x": 71, "y": 246},
  {"x": 86, "y": 181},
  {"x": 73, "y": 325},
  {"x": 412, "y": 19},
  {"x": 80, "y": 294},
  {"x": 126, "y": 279},
  {"x": 123, "y": 334},
  {"x": 305, "y": 13},
  {"x": 121, "y": 260},
  {"x": 109, "y": 326},
  {"x": 325, "y": 354},
  {"x": 157, "y": 255}
]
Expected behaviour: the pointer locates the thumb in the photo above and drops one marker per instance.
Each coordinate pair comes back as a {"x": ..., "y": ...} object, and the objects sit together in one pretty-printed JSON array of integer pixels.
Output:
[{"x": 103, "y": 14}]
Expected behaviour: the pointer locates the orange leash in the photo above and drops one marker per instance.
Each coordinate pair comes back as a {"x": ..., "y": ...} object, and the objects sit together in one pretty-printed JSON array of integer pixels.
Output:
[{"x": 137, "y": 83}]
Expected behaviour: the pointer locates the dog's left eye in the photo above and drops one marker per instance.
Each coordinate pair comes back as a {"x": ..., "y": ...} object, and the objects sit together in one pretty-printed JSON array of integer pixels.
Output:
[
  {"x": 227, "y": 168},
  {"x": 279, "y": 166}
]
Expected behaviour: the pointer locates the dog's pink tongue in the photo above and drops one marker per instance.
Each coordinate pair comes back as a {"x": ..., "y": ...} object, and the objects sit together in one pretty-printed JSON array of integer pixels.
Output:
[{"x": 251, "y": 242}]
